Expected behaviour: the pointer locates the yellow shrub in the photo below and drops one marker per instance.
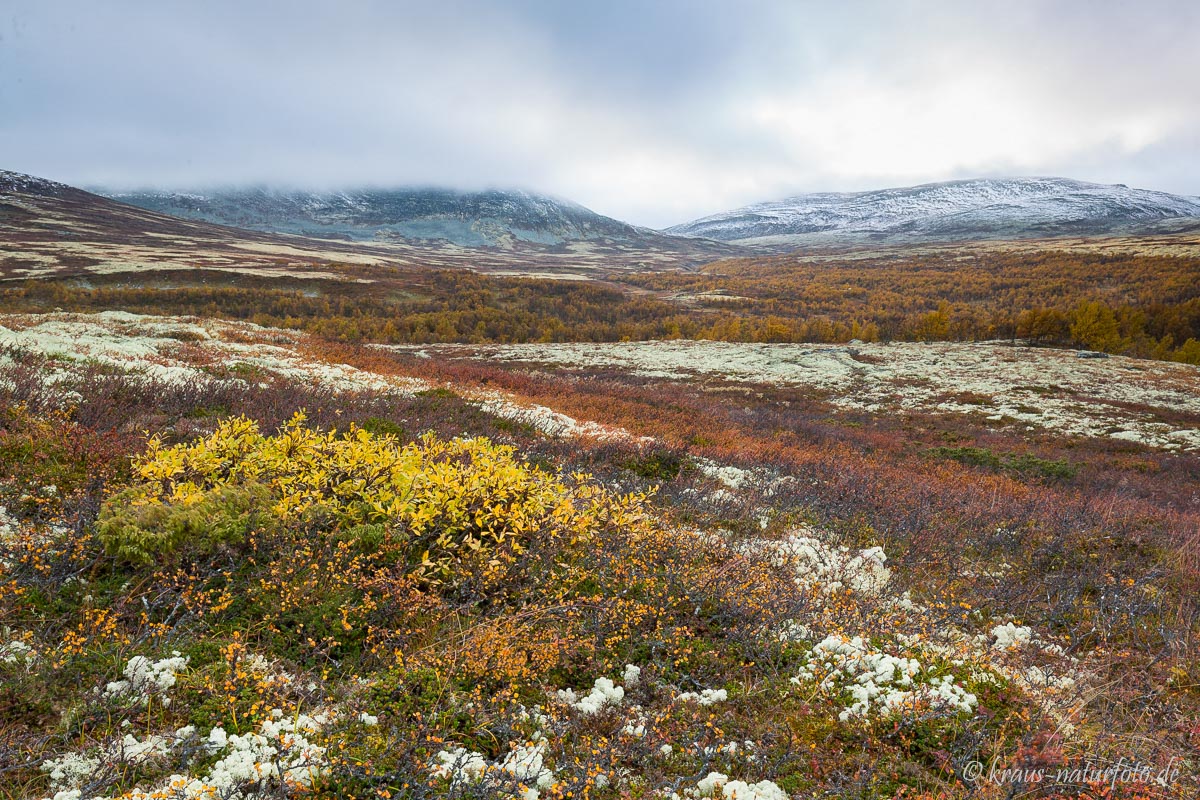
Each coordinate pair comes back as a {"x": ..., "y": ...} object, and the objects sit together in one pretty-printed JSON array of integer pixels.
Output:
[{"x": 448, "y": 501}]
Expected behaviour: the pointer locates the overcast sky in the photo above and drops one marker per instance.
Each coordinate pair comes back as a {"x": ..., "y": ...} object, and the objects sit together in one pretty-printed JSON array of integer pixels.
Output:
[{"x": 653, "y": 112}]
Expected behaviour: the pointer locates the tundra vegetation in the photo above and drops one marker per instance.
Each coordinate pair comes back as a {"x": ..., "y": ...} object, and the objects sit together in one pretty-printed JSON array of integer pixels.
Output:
[
  {"x": 1118, "y": 303},
  {"x": 223, "y": 582}
]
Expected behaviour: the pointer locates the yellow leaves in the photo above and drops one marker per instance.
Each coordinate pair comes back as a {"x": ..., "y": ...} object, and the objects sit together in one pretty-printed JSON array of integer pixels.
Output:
[{"x": 394, "y": 520}]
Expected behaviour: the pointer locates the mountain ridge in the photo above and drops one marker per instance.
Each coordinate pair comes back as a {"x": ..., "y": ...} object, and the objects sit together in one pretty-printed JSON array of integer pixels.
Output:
[
  {"x": 54, "y": 229},
  {"x": 486, "y": 218},
  {"x": 977, "y": 208}
]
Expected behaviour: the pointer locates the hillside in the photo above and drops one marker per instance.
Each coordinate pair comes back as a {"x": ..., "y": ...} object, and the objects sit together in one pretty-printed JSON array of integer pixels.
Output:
[
  {"x": 472, "y": 219},
  {"x": 51, "y": 229},
  {"x": 1012, "y": 208}
]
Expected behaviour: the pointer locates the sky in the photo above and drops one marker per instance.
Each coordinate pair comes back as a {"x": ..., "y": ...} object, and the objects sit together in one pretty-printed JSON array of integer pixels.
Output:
[{"x": 655, "y": 112}]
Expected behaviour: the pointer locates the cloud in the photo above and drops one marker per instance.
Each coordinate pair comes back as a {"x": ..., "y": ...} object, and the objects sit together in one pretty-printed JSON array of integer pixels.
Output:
[{"x": 652, "y": 112}]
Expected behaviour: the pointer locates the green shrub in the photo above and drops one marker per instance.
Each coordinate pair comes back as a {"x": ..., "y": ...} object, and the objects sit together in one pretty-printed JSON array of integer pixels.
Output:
[
  {"x": 142, "y": 533},
  {"x": 1018, "y": 464},
  {"x": 659, "y": 465}
]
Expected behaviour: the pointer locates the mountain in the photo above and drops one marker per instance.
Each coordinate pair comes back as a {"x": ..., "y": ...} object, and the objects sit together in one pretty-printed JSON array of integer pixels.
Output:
[
  {"x": 491, "y": 218},
  {"x": 1009, "y": 208},
  {"x": 52, "y": 229}
]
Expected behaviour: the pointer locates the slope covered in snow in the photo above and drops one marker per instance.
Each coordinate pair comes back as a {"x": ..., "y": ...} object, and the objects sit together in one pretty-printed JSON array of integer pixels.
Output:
[
  {"x": 50, "y": 229},
  {"x": 470, "y": 219},
  {"x": 18, "y": 182},
  {"x": 967, "y": 209}
]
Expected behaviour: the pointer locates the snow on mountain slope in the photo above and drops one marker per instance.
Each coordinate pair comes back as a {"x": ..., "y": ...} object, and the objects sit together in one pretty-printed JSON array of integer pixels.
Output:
[
  {"x": 980, "y": 208},
  {"x": 20, "y": 183},
  {"x": 470, "y": 219},
  {"x": 50, "y": 229}
]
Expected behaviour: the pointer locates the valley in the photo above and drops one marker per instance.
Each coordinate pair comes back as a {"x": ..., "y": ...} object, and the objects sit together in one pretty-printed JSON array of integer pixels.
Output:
[
  {"x": 508, "y": 400},
  {"x": 293, "y": 515}
]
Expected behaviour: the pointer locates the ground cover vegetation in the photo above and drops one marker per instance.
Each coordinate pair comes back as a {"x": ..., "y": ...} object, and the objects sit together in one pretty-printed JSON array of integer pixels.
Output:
[{"x": 229, "y": 584}]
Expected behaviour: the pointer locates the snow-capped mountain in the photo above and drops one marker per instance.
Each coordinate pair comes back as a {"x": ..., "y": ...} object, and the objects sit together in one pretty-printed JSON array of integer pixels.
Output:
[
  {"x": 469, "y": 219},
  {"x": 967, "y": 209},
  {"x": 20, "y": 183},
  {"x": 49, "y": 228}
]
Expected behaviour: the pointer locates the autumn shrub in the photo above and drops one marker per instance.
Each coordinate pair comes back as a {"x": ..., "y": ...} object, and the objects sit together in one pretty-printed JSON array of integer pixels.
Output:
[
  {"x": 51, "y": 466},
  {"x": 443, "y": 504}
]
